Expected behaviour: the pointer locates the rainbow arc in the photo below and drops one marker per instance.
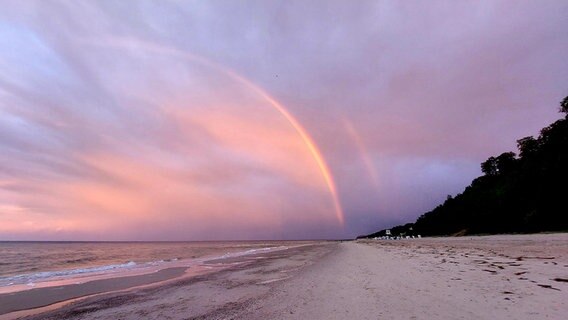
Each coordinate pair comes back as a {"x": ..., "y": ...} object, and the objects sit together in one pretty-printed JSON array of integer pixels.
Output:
[{"x": 300, "y": 130}]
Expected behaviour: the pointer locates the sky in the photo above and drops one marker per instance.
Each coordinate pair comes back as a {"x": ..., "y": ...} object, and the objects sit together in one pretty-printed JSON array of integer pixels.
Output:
[{"x": 215, "y": 120}]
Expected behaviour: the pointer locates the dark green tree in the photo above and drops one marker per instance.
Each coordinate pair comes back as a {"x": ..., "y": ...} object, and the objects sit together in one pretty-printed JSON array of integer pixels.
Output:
[
  {"x": 515, "y": 194},
  {"x": 527, "y": 146},
  {"x": 564, "y": 106},
  {"x": 489, "y": 167},
  {"x": 506, "y": 163}
]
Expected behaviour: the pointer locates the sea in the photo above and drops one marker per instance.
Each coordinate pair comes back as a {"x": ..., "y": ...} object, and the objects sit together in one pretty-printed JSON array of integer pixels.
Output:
[{"x": 28, "y": 265}]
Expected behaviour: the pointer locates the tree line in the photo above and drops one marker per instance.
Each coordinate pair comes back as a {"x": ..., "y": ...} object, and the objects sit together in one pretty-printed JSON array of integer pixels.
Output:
[{"x": 517, "y": 193}]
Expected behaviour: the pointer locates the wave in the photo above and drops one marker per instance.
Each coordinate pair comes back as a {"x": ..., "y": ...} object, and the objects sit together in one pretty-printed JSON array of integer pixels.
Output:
[
  {"x": 32, "y": 278},
  {"x": 251, "y": 251},
  {"x": 47, "y": 275},
  {"x": 80, "y": 260}
]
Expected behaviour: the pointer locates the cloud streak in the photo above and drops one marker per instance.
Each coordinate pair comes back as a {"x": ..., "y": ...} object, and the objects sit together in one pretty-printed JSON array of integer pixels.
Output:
[{"x": 112, "y": 126}]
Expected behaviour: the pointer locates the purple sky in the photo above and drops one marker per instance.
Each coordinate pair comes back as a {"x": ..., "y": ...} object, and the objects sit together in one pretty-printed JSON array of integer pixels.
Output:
[{"x": 159, "y": 120}]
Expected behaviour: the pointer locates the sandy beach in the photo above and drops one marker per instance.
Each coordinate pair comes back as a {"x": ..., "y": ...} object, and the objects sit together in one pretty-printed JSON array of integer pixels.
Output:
[{"x": 490, "y": 277}]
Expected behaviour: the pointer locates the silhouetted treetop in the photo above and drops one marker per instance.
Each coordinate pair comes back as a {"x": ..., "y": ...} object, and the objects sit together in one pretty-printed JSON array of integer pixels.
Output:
[
  {"x": 506, "y": 162},
  {"x": 527, "y": 146},
  {"x": 489, "y": 166},
  {"x": 564, "y": 105}
]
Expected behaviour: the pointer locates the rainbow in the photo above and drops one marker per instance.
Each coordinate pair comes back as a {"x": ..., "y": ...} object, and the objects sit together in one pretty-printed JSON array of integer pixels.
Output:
[
  {"x": 302, "y": 132},
  {"x": 363, "y": 152}
]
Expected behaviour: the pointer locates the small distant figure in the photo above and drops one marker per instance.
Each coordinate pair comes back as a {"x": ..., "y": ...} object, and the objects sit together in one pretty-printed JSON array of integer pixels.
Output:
[{"x": 419, "y": 236}]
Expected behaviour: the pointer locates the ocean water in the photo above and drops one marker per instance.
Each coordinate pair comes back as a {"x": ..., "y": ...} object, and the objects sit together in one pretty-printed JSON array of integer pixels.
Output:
[{"x": 25, "y": 265}]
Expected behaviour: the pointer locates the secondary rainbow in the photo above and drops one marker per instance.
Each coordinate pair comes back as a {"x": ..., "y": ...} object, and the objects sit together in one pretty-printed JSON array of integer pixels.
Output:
[{"x": 374, "y": 176}]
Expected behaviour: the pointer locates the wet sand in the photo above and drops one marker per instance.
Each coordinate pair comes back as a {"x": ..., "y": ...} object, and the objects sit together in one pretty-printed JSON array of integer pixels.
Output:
[
  {"x": 41, "y": 297},
  {"x": 494, "y": 277},
  {"x": 225, "y": 283}
]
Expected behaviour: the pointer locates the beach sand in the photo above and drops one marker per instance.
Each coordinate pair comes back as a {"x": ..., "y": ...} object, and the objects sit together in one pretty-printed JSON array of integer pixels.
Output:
[{"x": 492, "y": 277}]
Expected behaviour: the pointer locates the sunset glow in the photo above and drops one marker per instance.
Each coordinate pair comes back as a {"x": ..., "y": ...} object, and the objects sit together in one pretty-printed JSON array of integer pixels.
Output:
[
  {"x": 213, "y": 120},
  {"x": 310, "y": 144}
]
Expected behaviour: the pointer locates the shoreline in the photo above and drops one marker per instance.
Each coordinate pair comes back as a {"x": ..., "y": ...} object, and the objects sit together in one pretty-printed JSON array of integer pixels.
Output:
[
  {"x": 40, "y": 302},
  {"x": 41, "y": 297},
  {"x": 61, "y": 291},
  {"x": 505, "y": 277}
]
